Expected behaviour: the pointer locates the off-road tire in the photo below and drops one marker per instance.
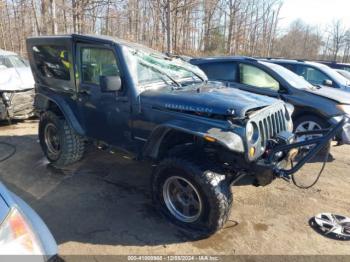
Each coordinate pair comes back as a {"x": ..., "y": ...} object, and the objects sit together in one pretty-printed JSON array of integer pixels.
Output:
[
  {"x": 72, "y": 145},
  {"x": 212, "y": 186}
]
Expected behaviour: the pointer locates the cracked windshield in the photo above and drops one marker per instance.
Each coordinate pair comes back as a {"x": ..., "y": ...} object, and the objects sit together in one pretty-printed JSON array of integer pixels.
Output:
[{"x": 156, "y": 68}]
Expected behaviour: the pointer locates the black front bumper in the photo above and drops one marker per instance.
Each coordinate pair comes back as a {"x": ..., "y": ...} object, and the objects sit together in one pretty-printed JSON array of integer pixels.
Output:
[{"x": 272, "y": 166}]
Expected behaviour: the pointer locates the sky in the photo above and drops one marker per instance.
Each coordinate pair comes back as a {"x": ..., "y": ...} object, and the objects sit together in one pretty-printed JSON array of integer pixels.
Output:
[{"x": 315, "y": 12}]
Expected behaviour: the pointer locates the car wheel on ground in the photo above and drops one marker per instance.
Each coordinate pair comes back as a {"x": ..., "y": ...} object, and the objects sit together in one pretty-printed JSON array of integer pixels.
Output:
[
  {"x": 192, "y": 195},
  {"x": 310, "y": 123},
  {"x": 61, "y": 145}
]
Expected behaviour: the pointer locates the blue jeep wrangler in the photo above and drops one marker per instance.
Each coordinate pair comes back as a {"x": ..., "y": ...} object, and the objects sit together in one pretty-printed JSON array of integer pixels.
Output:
[{"x": 202, "y": 137}]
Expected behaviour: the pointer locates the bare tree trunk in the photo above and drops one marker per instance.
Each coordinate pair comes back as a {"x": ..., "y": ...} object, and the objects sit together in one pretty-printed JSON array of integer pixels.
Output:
[
  {"x": 53, "y": 16},
  {"x": 169, "y": 43},
  {"x": 74, "y": 15},
  {"x": 43, "y": 17},
  {"x": 3, "y": 35},
  {"x": 9, "y": 24},
  {"x": 38, "y": 30},
  {"x": 17, "y": 30}
]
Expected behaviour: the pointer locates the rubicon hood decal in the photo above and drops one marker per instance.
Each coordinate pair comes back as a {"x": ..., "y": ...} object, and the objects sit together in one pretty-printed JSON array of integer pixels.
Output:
[
  {"x": 189, "y": 108},
  {"x": 206, "y": 98}
]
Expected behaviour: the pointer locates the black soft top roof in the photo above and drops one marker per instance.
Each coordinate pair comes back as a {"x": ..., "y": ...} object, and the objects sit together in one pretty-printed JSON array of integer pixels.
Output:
[{"x": 87, "y": 37}]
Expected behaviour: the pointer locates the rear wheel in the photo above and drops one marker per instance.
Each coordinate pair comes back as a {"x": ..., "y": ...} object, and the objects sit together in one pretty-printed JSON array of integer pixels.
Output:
[
  {"x": 192, "y": 195},
  {"x": 61, "y": 145}
]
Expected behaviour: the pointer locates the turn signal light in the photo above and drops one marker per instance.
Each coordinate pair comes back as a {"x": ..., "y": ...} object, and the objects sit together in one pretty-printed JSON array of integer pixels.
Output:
[
  {"x": 252, "y": 151},
  {"x": 209, "y": 139}
]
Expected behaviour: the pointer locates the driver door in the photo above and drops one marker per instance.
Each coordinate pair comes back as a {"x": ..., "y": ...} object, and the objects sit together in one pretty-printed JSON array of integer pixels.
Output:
[{"x": 105, "y": 114}]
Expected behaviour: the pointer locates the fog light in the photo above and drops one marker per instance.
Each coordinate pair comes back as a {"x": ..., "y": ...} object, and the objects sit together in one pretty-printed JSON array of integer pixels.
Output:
[{"x": 252, "y": 151}]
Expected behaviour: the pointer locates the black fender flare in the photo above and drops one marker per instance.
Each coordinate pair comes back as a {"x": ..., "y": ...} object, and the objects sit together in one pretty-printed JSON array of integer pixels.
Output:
[
  {"x": 42, "y": 103},
  {"x": 226, "y": 138}
]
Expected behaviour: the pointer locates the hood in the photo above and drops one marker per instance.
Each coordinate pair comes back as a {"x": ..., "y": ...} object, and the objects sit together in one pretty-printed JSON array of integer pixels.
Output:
[
  {"x": 209, "y": 99},
  {"x": 16, "y": 79},
  {"x": 346, "y": 88},
  {"x": 335, "y": 94}
]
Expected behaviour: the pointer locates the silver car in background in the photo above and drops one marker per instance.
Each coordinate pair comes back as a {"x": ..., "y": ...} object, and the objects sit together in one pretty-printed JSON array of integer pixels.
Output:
[{"x": 16, "y": 87}]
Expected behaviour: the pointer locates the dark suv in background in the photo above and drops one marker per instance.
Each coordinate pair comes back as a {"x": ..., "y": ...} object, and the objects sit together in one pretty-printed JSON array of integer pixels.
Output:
[
  {"x": 315, "y": 107},
  {"x": 315, "y": 73},
  {"x": 335, "y": 65}
]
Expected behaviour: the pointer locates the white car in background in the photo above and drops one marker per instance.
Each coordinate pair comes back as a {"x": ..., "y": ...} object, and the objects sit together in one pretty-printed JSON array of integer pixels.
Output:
[{"x": 16, "y": 87}]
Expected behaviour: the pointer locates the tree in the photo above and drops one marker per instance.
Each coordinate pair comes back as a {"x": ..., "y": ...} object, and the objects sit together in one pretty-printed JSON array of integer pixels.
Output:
[
  {"x": 300, "y": 42},
  {"x": 337, "y": 36},
  {"x": 192, "y": 27}
]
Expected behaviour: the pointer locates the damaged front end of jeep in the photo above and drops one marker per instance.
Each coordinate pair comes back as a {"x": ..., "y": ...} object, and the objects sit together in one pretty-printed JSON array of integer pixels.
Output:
[
  {"x": 283, "y": 152},
  {"x": 270, "y": 149}
]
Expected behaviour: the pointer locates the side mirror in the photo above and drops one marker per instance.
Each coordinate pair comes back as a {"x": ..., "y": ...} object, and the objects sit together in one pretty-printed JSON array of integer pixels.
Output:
[
  {"x": 110, "y": 83},
  {"x": 328, "y": 82}
]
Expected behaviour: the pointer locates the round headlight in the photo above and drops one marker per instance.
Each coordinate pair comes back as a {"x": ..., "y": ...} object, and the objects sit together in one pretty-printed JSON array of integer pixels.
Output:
[{"x": 252, "y": 133}]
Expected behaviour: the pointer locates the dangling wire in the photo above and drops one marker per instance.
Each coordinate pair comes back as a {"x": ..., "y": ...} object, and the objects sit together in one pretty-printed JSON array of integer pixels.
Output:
[
  {"x": 13, "y": 151},
  {"x": 318, "y": 176}
]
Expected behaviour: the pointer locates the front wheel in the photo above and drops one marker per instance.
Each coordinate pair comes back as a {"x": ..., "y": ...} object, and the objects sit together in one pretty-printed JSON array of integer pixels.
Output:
[
  {"x": 191, "y": 195},
  {"x": 61, "y": 145},
  {"x": 311, "y": 123}
]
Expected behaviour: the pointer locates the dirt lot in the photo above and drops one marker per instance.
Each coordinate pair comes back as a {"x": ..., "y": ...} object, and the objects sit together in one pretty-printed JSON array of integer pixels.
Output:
[{"x": 102, "y": 206}]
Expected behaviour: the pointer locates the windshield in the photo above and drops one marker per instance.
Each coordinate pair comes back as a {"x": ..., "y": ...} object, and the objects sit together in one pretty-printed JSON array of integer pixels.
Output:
[
  {"x": 333, "y": 74},
  {"x": 156, "y": 68},
  {"x": 10, "y": 61},
  {"x": 293, "y": 79}
]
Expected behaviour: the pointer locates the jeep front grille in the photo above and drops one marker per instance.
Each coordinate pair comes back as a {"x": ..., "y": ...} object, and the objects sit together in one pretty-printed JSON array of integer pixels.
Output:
[
  {"x": 271, "y": 125},
  {"x": 270, "y": 121}
]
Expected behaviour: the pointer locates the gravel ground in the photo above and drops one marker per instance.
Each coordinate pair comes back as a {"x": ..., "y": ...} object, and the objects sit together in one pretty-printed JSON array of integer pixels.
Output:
[{"x": 102, "y": 205}]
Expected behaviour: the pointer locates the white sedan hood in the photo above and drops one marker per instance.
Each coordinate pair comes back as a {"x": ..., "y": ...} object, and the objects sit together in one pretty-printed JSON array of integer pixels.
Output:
[{"x": 16, "y": 79}]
